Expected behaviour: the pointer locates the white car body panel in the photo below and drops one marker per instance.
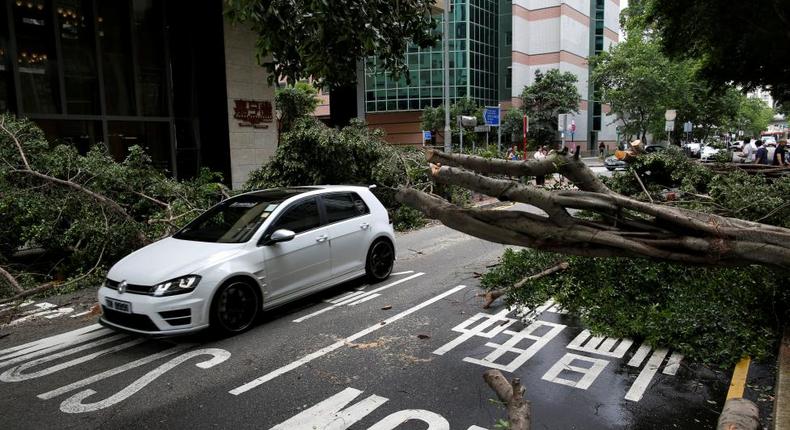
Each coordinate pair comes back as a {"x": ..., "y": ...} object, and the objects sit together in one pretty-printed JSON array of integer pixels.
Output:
[{"x": 284, "y": 271}]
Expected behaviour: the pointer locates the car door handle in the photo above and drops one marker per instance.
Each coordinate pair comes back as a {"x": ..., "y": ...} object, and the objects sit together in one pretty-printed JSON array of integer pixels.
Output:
[
  {"x": 364, "y": 226},
  {"x": 321, "y": 238}
]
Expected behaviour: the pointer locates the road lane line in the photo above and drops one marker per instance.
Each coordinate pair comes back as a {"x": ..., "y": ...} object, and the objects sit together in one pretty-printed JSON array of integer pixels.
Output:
[
  {"x": 405, "y": 272},
  {"x": 738, "y": 382},
  {"x": 637, "y": 390},
  {"x": 364, "y": 299},
  {"x": 326, "y": 350},
  {"x": 354, "y": 297}
]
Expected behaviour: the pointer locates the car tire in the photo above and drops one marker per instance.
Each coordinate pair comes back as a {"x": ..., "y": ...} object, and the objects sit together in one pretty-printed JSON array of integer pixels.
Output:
[
  {"x": 235, "y": 307},
  {"x": 380, "y": 259}
]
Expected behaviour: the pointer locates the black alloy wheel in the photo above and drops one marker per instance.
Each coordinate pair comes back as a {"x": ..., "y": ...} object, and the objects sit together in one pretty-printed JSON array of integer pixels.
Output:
[
  {"x": 235, "y": 307},
  {"x": 381, "y": 257}
]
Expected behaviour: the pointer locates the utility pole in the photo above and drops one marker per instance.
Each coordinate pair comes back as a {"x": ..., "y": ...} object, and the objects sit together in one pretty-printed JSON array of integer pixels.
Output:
[{"x": 448, "y": 137}]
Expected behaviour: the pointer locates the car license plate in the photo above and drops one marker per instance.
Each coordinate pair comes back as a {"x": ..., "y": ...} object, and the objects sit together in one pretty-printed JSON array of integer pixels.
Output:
[{"x": 119, "y": 305}]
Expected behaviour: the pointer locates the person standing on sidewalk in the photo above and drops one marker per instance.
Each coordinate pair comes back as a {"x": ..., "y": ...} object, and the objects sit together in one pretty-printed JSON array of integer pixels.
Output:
[
  {"x": 601, "y": 150},
  {"x": 761, "y": 155},
  {"x": 780, "y": 154},
  {"x": 541, "y": 154}
]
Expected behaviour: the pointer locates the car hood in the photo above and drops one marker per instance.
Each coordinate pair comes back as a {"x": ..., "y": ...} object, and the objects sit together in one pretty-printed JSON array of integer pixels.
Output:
[{"x": 170, "y": 258}]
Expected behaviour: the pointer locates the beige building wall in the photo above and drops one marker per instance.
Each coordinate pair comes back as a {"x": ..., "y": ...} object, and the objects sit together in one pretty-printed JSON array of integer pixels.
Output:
[{"x": 246, "y": 80}]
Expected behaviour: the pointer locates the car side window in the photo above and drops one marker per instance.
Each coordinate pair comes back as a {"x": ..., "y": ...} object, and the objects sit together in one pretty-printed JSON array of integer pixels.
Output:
[
  {"x": 342, "y": 206},
  {"x": 300, "y": 217}
]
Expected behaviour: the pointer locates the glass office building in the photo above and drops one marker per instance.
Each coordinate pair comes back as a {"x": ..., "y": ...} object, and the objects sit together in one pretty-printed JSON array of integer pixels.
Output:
[
  {"x": 122, "y": 73},
  {"x": 474, "y": 64}
]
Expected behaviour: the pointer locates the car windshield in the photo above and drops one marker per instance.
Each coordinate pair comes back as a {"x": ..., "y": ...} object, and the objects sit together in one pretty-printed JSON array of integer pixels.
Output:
[{"x": 233, "y": 221}]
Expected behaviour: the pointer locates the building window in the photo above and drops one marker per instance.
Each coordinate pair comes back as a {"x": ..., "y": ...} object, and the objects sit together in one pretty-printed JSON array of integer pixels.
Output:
[
  {"x": 37, "y": 63},
  {"x": 509, "y": 81}
]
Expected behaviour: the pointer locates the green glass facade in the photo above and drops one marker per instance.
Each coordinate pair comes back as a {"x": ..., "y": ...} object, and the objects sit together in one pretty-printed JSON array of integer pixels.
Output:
[{"x": 474, "y": 62}]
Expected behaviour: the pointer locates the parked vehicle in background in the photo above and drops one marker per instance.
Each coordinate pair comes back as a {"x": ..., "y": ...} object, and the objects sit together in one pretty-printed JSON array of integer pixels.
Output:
[
  {"x": 707, "y": 152},
  {"x": 692, "y": 149},
  {"x": 249, "y": 253}
]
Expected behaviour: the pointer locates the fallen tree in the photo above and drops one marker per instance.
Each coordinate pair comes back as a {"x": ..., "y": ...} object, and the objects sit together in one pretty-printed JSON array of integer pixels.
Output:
[{"x": 614, "y": 225}]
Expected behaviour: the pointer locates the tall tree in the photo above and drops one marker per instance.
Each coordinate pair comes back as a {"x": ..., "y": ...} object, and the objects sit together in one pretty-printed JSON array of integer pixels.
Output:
[
  {"x": 552, "y": 94},
  {"x": 324, "y": 40},
  {"x": 741, "y": 42}
]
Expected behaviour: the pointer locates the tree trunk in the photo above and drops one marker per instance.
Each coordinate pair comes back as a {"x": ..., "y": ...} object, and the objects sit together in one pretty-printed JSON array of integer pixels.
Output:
[{"x": 620, "y": 226}]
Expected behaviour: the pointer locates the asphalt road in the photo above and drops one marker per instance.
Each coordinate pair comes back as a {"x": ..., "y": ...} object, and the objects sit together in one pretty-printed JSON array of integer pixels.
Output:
[{"x": 410, "y": 350}]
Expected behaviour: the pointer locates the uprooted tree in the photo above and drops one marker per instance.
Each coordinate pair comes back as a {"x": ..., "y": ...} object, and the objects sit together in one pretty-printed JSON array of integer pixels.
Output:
[{"x": 615, "y": 225}]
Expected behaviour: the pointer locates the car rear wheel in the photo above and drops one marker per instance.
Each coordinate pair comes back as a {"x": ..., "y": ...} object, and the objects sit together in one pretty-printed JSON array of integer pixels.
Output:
[
  {"x": 234, "y": 308},
  {"x": 381, "y": 257}
]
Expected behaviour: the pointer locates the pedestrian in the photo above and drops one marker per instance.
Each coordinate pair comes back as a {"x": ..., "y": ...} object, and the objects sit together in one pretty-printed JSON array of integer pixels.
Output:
[
  {"x": 761, "y": 155},
  {"x": 541, "y": 154},
  {"x": 780, "y": 154},
  {"x": 749, "y": 149},
  {"x": 512, "y": 153},
  {"x": 601, "y": 149}
]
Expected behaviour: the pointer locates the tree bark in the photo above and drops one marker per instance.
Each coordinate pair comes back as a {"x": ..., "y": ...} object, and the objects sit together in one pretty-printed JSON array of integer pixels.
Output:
[
  {"x": 512, "y": 395},
  {"x": 490, "y": 296},
  {"x": 622, "y": 227}
]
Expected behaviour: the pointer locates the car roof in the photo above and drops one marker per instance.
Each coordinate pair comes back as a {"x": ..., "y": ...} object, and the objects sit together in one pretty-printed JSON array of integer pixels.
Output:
[{"x": 284, "y": 193}]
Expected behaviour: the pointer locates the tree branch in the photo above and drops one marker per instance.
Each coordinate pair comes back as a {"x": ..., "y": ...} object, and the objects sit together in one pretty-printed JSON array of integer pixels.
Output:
[
  {"x": 11, "y": 280},
  {"x": 512, "y": 395},
  {"x": 491, "y": 296}
]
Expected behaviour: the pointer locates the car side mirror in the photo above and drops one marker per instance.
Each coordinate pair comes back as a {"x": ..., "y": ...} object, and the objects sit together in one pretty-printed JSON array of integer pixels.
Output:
[{"x": 281, "y": 235}]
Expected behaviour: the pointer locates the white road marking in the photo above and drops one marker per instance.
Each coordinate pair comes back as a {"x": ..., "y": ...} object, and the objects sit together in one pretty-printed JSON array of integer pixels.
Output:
[
  {"x": 639, "y": 355},
  {"x": 112, "y": 372},
  {"x": 44, "y": 346},
  {"x": 673, "y": 364},
  {"x": 364, "y": 299},
  {"x": 353, "y": 298},
  {"x": 81, "y": 314},
  {"x": 405, "y": 272},
  {"x": 74, "y": 404},
  {"x": 516, "y": 337},
  {"x": 15, "y": 374},
  {"x": 637, "y": 390},
  {"x": 599, "y": 345},
  {"x": 588, "y": 374},
  {"x": 489, "y": 320},
  {"x": 330, "y": 415},
  {"x": 395, "y": 419},
  {"x": 321, "y": 352}
]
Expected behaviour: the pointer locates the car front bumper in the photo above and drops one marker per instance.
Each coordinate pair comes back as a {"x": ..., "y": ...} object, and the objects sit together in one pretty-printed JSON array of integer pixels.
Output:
[{"x": 158, "y": 316}]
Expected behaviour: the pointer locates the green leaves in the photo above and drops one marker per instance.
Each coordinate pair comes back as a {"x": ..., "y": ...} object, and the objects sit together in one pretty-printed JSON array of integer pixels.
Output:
[
  {"x": 323, "y": 40},
  {"x": 552, "y": 94}
]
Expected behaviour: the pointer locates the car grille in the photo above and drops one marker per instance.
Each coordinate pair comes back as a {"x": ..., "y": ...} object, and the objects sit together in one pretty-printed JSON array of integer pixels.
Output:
[
  {"x": 133, "y": 321},
  {"x": 177, "y": 317},
  {"x": 130, "y": 288}
]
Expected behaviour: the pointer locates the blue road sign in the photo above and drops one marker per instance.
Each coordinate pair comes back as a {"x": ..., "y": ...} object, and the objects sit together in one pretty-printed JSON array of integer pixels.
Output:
[
  {"x": 426, "y": 135},
  {"x": 491, "y": 115}
]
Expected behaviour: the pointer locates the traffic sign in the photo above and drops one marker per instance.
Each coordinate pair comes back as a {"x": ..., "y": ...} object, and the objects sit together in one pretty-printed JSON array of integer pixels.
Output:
[
  {"x": 491, "y": 115},
  {"x": 426, "y": 135},
  {"x": 687, "y": 126},
  {"x": 669, "y": 126}
]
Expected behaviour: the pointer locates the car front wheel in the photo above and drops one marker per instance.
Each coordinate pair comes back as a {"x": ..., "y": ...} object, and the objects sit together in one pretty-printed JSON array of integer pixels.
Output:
[
  {"x": 381, "y": 257},
  {"x": 234, "y": 308}
]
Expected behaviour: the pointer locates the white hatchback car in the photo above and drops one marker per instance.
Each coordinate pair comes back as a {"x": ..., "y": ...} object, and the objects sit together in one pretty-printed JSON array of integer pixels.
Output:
[{"x": 249, "y": 253}]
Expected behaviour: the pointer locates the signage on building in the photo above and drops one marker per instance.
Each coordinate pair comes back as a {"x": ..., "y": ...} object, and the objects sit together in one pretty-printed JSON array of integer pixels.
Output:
[
  {"x": 252, "y": 113},
  {"x": 426, "y": 135}
]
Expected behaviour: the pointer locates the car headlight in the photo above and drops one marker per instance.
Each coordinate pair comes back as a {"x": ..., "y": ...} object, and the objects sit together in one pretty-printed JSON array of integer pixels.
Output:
[{"x": 180, "y": 285}]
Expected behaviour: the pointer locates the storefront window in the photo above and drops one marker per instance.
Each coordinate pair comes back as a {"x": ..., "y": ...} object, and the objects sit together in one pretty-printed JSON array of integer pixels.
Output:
[
  {"x": 150, "y": 41},
  {"x": 38, "y": 72},
  {"x": 6, "y": 76},
  {"x": 78, "y": 44},
  {"x": 153, "y": 137},
  {"x": 79, "y": 134},
  {"x": 113, "y": 24}
]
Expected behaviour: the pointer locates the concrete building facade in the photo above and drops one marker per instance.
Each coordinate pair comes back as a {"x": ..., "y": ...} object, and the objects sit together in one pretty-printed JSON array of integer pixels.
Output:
[{"x": 495, "y": 49}]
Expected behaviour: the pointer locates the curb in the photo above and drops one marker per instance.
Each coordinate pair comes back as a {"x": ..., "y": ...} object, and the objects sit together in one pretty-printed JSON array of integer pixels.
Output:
[{"x": 782, "y": 399}]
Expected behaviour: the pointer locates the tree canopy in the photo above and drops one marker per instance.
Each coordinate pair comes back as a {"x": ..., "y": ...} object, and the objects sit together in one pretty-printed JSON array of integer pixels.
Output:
[
  {"x": 737, "y": 42},
  {"x": 553, "y": 93},
  {"x": 323, "y": 40}
]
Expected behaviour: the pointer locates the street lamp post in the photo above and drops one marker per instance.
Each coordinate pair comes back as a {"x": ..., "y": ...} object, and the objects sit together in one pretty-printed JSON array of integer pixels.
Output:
[{"x": 448, "y": 137}]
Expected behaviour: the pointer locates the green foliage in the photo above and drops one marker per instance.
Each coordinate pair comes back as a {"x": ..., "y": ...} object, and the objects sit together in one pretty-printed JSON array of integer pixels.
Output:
[
  {"x": 513, "y": 125},
  {"x": 324, "y": 40},
  {"x": 433, "y": 119},
  {"x": 72, "y": 232},
  {"x": 711, "y": 315},
  {"x": 294, "y": 102},
  {"x": 703, "y": 30},
  {"x": 552, "y": 94}
]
